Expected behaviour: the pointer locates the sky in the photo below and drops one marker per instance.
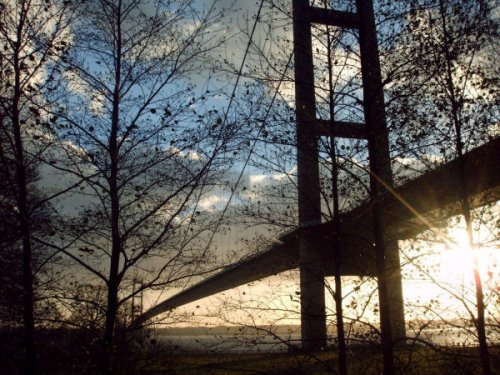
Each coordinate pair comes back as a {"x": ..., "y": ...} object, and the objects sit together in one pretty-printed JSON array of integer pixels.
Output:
[
  {"x": 450, "y": 266},
  {"x": 279, "y": 293},
  {"x": 437, "y": 280}
]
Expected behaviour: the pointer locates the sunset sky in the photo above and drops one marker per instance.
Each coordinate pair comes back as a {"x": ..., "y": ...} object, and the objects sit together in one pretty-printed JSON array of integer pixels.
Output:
[{"x": 449, "y": 262}]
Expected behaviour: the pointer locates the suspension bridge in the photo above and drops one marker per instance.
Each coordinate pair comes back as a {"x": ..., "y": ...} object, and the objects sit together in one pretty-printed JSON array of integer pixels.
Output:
[{"x": 393, "y": 213}]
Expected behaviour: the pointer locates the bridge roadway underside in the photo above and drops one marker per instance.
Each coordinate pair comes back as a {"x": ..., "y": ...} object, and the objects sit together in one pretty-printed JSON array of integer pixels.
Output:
[{"x": 413, "y": 207}]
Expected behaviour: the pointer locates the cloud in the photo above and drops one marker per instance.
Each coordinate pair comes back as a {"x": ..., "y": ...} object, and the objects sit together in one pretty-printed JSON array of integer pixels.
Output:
[
  {"x": 269, "y": 179},
  {"x": 212, "y": 202}
]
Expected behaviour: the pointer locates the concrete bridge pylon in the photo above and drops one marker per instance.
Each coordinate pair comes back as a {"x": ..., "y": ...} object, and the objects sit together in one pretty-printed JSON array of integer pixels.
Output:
[{"x": 387, "y": 253}]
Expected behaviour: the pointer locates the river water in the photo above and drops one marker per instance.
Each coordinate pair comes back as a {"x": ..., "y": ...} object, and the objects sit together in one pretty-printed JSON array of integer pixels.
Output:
[{"x": 285, "y": 343}]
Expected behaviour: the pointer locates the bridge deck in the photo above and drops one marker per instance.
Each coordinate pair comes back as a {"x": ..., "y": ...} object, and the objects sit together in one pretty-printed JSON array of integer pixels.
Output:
[{"x": 412, "y": 208}]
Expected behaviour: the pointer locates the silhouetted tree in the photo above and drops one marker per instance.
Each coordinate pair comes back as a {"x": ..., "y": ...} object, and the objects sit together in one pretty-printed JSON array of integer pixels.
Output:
[
  {"x": 446, "y": 97},
  {"x": 139, "y": 131},
  {"x": 32, "y": 35}
]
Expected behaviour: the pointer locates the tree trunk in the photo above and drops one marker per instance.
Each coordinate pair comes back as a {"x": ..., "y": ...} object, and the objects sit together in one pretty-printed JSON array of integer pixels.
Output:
[
  {"x": 27, "y": 252},
  {"x": 30, "y": 366},
  {"x": 116, "y": 249},
  {"x": 479, "y": 321},
  {"x": 339, "y": 313}
]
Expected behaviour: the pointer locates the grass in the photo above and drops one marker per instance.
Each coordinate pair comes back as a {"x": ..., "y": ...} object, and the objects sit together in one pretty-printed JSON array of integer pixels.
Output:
[
  {"x": 421, "y": 360},
  {"x": 69, "y": 354}
]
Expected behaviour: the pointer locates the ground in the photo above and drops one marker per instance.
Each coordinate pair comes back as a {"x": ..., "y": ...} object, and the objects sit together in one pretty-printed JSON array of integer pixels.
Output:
[{"x": 435, "y": 361}]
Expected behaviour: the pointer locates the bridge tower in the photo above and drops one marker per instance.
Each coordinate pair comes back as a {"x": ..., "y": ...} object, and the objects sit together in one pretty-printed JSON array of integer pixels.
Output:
[{"x": 374, "y": 130}]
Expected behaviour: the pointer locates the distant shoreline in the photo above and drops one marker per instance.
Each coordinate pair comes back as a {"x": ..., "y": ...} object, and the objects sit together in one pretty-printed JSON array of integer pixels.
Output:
[{"x": 228, "y": 330}]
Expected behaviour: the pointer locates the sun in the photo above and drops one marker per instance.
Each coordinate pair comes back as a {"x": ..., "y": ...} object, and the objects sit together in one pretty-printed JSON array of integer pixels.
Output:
[{"x": 457, "y": 260}]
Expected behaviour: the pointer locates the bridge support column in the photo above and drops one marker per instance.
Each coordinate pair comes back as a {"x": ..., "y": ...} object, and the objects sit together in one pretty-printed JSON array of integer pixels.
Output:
[
  {"x": 312, "y": 298},
  {"x": 388, "y": 268},
  {"x": 395, "y": 293},
  {"x": 313, "y": 320},
  {"x": 387, "y": 251}
]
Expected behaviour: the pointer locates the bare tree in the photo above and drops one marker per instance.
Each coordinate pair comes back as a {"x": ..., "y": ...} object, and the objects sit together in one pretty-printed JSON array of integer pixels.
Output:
[
  {"x": 32, "y": 35},
  {"x": 140, "y": 134},
  {"x": 453, "y": 97}
]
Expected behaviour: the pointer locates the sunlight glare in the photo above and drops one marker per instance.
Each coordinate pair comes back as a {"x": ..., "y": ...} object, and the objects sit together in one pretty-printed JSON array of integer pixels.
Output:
[{"x": 457, "y": 260}]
